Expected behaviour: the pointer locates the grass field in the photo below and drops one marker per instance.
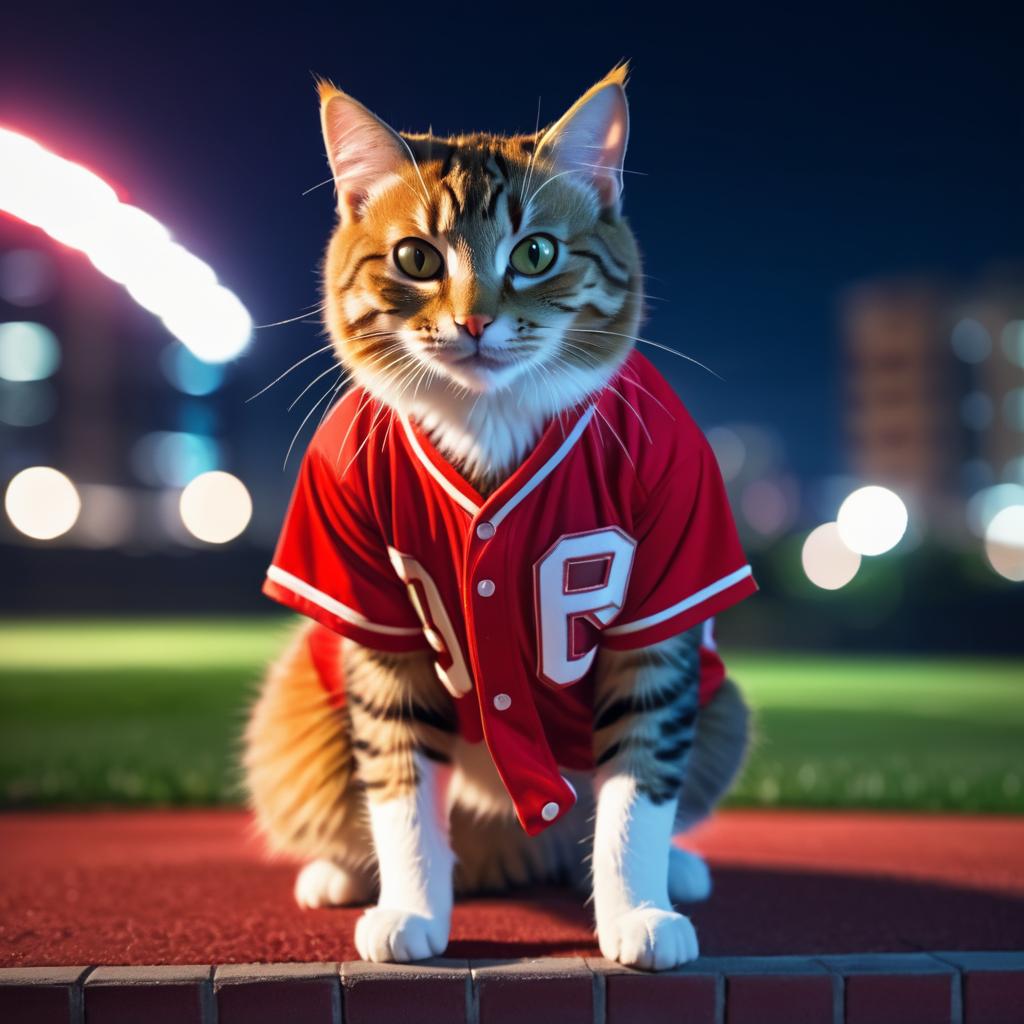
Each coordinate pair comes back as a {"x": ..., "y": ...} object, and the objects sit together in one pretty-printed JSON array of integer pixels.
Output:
[{"x": 150, "y": 712}]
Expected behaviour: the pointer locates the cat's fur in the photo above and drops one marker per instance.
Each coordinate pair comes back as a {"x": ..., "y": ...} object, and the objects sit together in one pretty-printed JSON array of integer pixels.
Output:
[{"x": 381, "y": 794}]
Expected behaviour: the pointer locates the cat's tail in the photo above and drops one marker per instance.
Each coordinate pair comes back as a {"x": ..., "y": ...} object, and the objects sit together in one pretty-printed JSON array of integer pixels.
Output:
[{"x": 298, "y": 763}]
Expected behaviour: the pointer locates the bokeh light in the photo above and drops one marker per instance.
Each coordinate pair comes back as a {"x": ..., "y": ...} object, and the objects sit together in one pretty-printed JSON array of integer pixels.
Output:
[
  {"x": 1013, "y": 341},
  {"x": 79, "y": 209},
  {"x": 767, "y": 507},
  {"x": 28, "y": 404},
  {"x": 189, "y": 374},
  {"x": 42, "y": 503},
  {"x": 28, "y": 351},
  {"x": 1004, "y": 543},
  {"x": 872, "y": 520},
  {"x": 976, "y": 410},
  {"x": 827, "y": 561},
  {"x": 730, "y": 451},
  {"x": 971, "y": 341},
  {"x": 169, "y": 458},
  {"x": 215, "y": 507},
  {"x": 987, "y": 503},
  {"x": 1013, "y": 409}
]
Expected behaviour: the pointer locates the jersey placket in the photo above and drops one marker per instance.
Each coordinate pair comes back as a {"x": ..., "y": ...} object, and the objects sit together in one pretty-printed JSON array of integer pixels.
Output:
[{"x": 512, "y": 727}]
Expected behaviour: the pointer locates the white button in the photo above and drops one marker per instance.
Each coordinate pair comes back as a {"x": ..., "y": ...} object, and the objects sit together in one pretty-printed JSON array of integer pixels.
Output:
[
  {"x": 502, "y": 701},
  {"x": 485, "y": 531},
  {"x": 434, "y": 639},
  {"x": 442, "y": 675},
  {"x": 485, "y": 588},
  {"x": 549, "y": 811}
]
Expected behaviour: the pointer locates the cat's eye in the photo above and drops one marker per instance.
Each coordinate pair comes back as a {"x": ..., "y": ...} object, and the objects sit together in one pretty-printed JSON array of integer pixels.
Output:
[
  {"x": 533, "y": 255},
  {"x": 418, "y": 259}
]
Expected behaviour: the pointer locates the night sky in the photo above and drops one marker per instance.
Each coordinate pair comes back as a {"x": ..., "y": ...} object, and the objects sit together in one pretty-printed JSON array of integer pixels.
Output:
[{"x": 784, "y": 157}]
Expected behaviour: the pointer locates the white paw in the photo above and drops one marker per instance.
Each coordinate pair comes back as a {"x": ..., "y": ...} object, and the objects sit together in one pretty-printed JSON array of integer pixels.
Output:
[
  {"x": 689, "y": 879},
  {"x": 321, "y": 883},
  {"x": 646, "y": 937},
  {"x": 384, "y": 935}
]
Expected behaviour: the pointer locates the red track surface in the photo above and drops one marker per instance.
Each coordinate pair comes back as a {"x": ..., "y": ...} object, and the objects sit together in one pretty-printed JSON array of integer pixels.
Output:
[{"x": 195, "y": 887}]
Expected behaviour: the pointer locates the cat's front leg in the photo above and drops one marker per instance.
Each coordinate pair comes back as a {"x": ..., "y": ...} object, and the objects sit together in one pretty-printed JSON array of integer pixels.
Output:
[
  {"x": 403, "y": 727},
  {"x": 645, "y": 714}
]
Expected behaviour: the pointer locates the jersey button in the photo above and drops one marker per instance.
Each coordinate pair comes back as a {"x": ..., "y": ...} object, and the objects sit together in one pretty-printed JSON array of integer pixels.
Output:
[
  {"x": 485, "y": 588},
  {"x": 549, "y": 811},
  {"x": 502, "y": 701},
  {"x": 434, "y": 639},
  {"x": 485, "y": 531}
]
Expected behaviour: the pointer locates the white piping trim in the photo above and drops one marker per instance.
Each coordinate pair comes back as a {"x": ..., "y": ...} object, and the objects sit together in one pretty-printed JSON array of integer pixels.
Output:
[
  {"x": 335, "y": 607},
  {"x": 545, "y": 470},
  {"x": 445, "y": 483},
  {"x": 690, "y": 602}
]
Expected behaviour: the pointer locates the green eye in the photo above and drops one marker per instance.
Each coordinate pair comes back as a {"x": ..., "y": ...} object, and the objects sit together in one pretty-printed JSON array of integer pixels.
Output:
[
  {"x": 533, "y": 255},
  {"x": 418, "y": 259}
]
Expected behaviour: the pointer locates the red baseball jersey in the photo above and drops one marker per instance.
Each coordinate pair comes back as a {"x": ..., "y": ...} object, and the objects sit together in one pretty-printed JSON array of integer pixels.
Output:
[{"x": 615, "y": 531}]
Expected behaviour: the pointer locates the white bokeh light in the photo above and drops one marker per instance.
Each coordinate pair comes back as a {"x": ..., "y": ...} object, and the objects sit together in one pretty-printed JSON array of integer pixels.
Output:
[
  {"x": 215, "y": 507},
  {"x": 42, "y": 503},
  {"x": 872, "y": 520},
  {"x": 1004, "y": 543},
  {"x": 79, "y": 209},
  {"x": 827, "y": 561}
]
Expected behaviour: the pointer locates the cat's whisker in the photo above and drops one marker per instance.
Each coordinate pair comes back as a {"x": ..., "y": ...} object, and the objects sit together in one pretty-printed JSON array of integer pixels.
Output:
[
  {"x": 415, "y": 163},
  {"x": 319, "y": 184},
  {"x": 305, "y": 420},
  {"x": 606, "y": 167},
  {"x": 632, "y": 407},
  {"x": 647, "y": 341},
  {"x": 525, "y": 184},
  {"x": 312, "y": 383},
  {"x": 312, "y": 355},
  {"x": 615, "y": 434},
  {"x": 294, "y": 366},
  {"x": 280, "y": 323},
  {"x": 647, "y": 391}
]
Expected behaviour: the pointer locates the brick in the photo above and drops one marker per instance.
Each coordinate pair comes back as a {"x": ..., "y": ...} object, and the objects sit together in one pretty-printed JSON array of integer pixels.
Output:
[
  {"x": 993, "y": 986},
  {"x": 41, "y": 995},
  {"x": 555, "y": 990},
  {"x": 687, "y": 995},
  {"x": 156, "y": 995},
  {"x": 775, "y": 989},
  {"x": 427, "y": 992},
  {"x": 278, "y": 994},
  {"x": 895, "y": 988}
]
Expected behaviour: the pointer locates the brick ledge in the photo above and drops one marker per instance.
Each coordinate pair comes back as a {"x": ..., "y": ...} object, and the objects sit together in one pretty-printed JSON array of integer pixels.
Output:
[{"x": 927, "y": 988}]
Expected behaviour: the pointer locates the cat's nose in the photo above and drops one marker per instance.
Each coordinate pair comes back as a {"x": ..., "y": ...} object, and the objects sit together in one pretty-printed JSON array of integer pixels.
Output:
[{"x": 475, "y": 324}]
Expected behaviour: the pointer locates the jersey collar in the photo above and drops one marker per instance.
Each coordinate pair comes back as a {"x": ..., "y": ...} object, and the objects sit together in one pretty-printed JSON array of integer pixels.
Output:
[{"x": 555, "y": 443}]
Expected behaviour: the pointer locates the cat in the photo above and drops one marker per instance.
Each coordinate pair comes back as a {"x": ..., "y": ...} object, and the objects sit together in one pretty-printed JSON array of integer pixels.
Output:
[{"x": 484, "y": 292}]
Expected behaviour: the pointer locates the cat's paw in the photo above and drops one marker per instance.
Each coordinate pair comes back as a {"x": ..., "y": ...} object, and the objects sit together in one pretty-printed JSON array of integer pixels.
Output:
[
  {"x": 384, "y": 935},
  {"x": 689, "y": 879},
  {"x": 322, "y": 883},
  {"x": 649, "y": 938}
]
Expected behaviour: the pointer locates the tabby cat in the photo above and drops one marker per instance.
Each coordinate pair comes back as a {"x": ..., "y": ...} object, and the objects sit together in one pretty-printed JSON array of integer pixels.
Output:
[{"x": 481, "y": 290}]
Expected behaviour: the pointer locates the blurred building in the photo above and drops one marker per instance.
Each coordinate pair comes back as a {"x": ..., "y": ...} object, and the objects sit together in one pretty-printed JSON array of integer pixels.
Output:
[{"x": 934, "y": 386}]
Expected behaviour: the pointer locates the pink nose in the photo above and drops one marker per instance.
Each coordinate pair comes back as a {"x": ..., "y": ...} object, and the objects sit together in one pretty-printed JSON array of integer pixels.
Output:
[{"x": 475, "y": 324}]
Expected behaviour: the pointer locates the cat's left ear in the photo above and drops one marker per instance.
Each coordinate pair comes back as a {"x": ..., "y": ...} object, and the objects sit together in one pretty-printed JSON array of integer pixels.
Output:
[{"x": 590, "y": 138}]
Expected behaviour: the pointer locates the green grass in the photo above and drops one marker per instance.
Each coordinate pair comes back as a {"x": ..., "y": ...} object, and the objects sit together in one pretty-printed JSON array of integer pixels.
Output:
[{"x": 150, "y": 712}]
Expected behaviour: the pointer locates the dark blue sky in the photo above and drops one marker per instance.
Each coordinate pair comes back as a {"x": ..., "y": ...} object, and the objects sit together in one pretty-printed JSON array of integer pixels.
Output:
[{"x": 785, "y": 156}]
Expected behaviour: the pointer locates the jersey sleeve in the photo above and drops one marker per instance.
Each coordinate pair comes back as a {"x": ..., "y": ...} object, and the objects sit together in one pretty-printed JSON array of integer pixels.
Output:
[
  {"x": 332, "y": 564},
  {"x": 688, "y": 564}
]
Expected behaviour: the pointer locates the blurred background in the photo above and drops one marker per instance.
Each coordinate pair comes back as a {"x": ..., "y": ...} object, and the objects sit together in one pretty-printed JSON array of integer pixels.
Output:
[{"x": 830, "y": 208}]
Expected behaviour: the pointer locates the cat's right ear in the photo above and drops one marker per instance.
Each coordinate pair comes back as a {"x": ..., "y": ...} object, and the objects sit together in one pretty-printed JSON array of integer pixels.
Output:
[{"x": 361, "y": 149}]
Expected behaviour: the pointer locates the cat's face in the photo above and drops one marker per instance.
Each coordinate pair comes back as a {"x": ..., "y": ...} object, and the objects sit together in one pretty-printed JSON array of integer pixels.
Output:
[{"x": 481, "y": 264}]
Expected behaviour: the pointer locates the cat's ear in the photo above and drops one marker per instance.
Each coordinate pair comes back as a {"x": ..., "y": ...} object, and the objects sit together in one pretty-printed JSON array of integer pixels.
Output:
[
  {"x": 590, "y": 138},
  {"x": 361, "y": 148}
]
